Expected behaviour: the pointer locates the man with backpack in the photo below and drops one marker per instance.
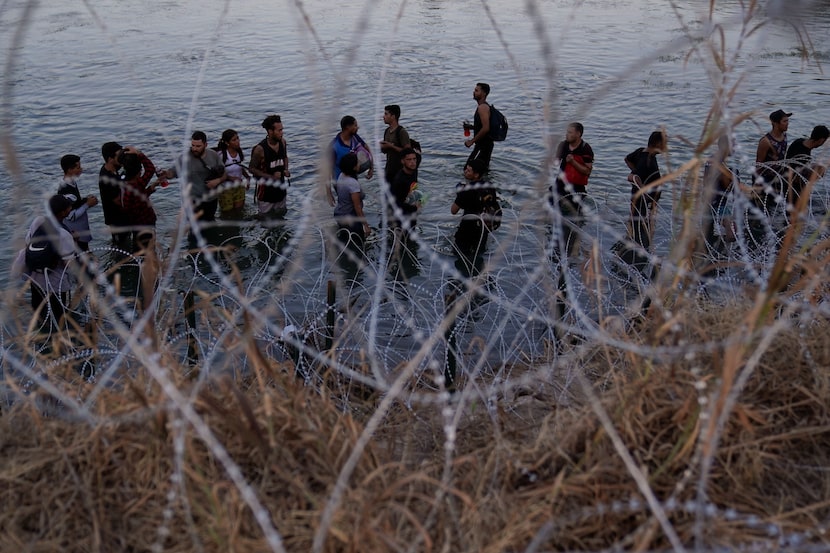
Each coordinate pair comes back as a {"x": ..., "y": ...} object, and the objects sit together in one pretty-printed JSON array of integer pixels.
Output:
[
  {"x": 481, "y": 139},
  {"x": 395, "y": 140},
  {"x": 49, "y": 245}
]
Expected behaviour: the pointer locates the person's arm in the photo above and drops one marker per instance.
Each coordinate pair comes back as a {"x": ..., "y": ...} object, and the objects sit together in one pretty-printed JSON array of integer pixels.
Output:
[
  {"x": 632, "y": 166},
  {"x": 764, "y": 148},
  {"x": 403, "y": 138},
  {"x": 76, "y": 213},
  {"x": 254, "y": 166},
  {"x": 147, "y": 174},
  {"x": 169, "y": 173},
  {"x": 483, "y": 114},
  {"x": 358, "y": 209},
  {"x": 330, "y": 193},
  {"x": 585, "y": 167},
  {"x": 285, "y": 172},
  {"x": 223, "y": 176},
  {"x": 454, "y": 209}
]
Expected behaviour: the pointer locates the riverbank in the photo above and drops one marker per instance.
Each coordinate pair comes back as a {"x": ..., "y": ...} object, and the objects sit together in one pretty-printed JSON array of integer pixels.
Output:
[{"x": 702, "y": 432}]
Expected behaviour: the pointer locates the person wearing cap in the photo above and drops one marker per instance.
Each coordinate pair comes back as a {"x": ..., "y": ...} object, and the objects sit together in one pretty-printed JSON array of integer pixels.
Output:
[
  {"x": 772, "y": 149},
  {"x": 49, "y": 286}
]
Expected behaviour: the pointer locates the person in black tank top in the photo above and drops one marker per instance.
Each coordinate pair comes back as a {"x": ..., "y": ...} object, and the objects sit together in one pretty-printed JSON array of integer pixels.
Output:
[
  {"x": 483, "y": 144},
  {"x": 269, "y": 163}
]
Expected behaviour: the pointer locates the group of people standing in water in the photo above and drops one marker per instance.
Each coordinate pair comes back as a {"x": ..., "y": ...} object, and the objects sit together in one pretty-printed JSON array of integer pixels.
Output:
[
  {"x": 218, "y": 178},
  {"x": 782, "y": 178}
]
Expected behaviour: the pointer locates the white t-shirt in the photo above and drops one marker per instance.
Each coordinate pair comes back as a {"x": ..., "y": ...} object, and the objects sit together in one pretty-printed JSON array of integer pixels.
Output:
[{"x": 233, "y": 166}]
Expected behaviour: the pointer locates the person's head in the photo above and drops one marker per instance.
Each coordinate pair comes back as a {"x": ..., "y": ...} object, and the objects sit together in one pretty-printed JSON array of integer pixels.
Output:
[
  {"x": 131, "y": 164},
  {"x": 573, "y": 134},
  {"x": 198, "y": 143},
  {"x": 657, "y": 140},
  {"x": 110, "y": 150},
  {"x": 409, "y": 159},
  {"x": 348, "y": 124},
  {"x": 391, "y": 113},
  {"x": 473, "y": 170},
  {"x": 481, "y": 91},
  {"x": 71, "y": 165},
  {"x": 229, "y": 138},
  {"x": 820, "y": 134},
  {"x": 349, "y": 165},
  {"x": 273, "y": 126},
  {"x": 780, "y": 119},
  {"x": 60, "y": 206}
]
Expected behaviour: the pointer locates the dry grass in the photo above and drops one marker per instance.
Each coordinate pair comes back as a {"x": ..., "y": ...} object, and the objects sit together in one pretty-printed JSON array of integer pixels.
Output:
[{"x": 527, "y": 469}]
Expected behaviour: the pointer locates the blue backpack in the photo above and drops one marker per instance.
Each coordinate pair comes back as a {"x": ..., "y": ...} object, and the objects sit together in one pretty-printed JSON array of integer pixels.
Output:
[{"x": 498, "y": 124}]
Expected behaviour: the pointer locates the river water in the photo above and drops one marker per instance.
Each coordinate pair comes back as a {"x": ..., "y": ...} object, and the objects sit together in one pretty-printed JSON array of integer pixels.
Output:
[{"x": 78, "y": 74}]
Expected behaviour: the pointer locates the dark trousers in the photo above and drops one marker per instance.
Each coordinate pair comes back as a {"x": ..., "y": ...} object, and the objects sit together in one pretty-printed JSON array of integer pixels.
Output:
[
  {"x": 51, "y": 315},
  {"x": 206, "y": 211},
  {"x": 482, "y": 151}
]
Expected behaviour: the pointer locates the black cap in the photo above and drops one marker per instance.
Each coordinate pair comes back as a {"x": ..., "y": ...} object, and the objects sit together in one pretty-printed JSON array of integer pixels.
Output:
[
  {"x": 58, "y": 203},
  {"x": 778, "y": 115}
]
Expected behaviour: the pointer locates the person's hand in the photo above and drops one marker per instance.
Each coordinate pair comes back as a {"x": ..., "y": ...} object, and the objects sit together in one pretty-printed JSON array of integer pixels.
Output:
[
  {"x": 367, "y": 229},
  {"x": 370, "y": 173},
  {"x": 468, "y": 143},
  {"x": 91, "y": 201},
  {"x": 569, "y": 159},
  {"x": 131, "y": 150}
]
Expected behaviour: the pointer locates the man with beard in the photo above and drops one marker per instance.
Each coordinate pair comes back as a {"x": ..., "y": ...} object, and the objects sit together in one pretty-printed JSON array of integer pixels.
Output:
[
  {"x": 481, "y": 140},
  {"x": 205, "y": 172},
  {"x": 269, "y": 162}
]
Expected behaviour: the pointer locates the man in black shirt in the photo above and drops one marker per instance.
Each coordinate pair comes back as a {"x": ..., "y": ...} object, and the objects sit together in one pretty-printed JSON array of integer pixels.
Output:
[
  {"x": 405, "y": 182},
  {"x": 109, "y": 184},
  {"x": 802, "y": 168}
]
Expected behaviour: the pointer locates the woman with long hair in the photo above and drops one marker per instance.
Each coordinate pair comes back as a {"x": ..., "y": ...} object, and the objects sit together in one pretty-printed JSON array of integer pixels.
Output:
[{"x": 232, "y": 199}]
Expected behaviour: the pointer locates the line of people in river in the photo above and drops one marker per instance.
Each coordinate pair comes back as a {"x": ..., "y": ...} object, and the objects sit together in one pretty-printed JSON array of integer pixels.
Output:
[
  {"x": 217, "y": 179},
  {"x": 782, "y": 177}
]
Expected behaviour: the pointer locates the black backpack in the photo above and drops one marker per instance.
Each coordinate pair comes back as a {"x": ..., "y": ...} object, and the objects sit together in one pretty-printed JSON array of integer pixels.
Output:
[
  {"x": 498, "y": 124},
  {"x": 415, "y": 145},
  {"x": 41, "y": 253},
  {"x": 491, "y": 212}
]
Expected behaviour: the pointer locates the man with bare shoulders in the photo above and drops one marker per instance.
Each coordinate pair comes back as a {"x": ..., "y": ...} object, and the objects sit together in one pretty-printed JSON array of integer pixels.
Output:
[
  {"x": 481, "y": 141},
  {"x": 769, "y": 158},
  {"x": 269, "y": 164}
]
